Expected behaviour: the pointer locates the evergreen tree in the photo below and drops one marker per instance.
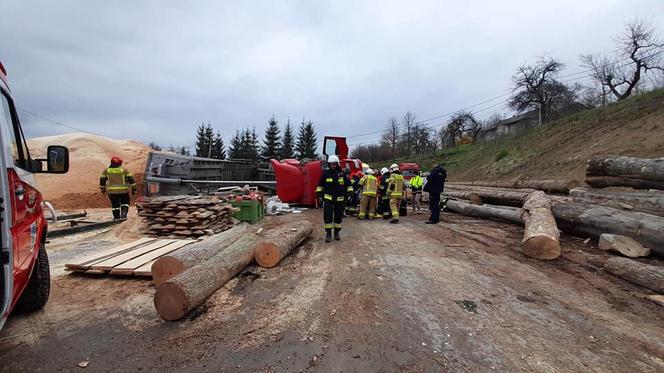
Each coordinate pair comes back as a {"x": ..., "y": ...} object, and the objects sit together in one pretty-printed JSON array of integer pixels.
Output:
[
  {"x": 271, "y": 143},
  {"x": 236, "y": 146},
  {"x": 288, "y": 142},
  {"x": 204, "y": 140},
  {"x": 307, "y": 141},
  {"x": 254, "y": 146},
  {"x": 218, "y": 148},
  {"x": 183, "y": 150}
]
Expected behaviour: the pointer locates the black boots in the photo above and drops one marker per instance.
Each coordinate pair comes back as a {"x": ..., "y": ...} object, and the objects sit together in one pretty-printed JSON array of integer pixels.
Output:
[
  {"x": 394, "y": 221},
  {"x": 328, "y": 235},
  {"x": 336, "y": 234}
]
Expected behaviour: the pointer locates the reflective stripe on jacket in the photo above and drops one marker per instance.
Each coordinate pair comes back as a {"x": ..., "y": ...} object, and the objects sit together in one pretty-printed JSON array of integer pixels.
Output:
[
  {"x": 395, "y": 185},
  {"x": 116, "y": 180},
  {"x": 369, "y": 184},
  {"x": 334, "y": 185}
]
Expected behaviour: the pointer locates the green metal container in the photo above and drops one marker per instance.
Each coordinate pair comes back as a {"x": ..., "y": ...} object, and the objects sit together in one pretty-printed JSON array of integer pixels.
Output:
[{"x": 250, "y": 211}]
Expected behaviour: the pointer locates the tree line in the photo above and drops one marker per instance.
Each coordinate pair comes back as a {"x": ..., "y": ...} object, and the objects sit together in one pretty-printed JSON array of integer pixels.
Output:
[
  {"x": 245, "y": 143},
  {"x": 636, "y": 65}
]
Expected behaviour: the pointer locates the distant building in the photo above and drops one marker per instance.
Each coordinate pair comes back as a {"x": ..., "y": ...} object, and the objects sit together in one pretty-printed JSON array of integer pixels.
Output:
[{"x": 522, "y": 122}]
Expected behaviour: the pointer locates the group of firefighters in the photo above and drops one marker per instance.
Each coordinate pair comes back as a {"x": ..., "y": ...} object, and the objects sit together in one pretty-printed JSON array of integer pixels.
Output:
[{"x": 339, "y": 194}]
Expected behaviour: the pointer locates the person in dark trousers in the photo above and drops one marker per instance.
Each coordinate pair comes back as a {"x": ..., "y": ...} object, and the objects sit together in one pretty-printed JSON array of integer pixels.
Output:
[
  {"x": 116, "y": 181},
  {"x": 334, "y": 188},
  {"x": 354, "y": 200},
  {"x": 435, "y": 186},
  {"x": 384, "y": 201}
]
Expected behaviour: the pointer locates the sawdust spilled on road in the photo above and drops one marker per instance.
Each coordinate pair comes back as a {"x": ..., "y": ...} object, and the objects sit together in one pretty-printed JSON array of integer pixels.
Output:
[{"x": 89, "y": 155}]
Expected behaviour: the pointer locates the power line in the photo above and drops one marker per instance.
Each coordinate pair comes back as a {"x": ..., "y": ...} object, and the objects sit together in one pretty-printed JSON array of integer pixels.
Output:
[{"x": 55, "y": 121}]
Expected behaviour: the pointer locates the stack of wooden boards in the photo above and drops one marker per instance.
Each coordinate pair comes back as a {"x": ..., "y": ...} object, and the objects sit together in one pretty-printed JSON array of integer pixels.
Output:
[
  {"x": 628, "y": 221},
  {"x": 186, "y": 216},
  {"x": 133, "y": 258},
  {"x": 188, "y": 277}
]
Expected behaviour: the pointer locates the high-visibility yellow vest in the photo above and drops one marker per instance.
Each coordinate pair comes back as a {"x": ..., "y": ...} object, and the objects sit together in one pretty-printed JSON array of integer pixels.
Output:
[
  {"x": 116, "y": 180},
  {"x": 416, "y": 182},
  {"x": 395, "y": 185},
  {"x": 369, "y": 184}
]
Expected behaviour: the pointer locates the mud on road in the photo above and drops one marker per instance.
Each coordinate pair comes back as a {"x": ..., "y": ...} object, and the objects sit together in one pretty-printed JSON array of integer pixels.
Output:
[{"x": 410, "y": 297}]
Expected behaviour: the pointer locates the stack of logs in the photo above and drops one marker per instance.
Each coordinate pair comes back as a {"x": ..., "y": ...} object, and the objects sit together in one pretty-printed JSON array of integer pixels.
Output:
[
  {"x": 186, "y": 216},
  {"x": 187, "y": 277},
  {"x": 624, "y": 219}
]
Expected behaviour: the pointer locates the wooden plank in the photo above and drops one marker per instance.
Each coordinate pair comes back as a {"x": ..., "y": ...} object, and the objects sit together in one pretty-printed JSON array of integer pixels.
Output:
[
  {"x": 116, "y": 250},
  {"x": 83, "y": 228},
  {"x": 150, "y": 256},
  {"x": 144, "y": 270},
  {"x": 108, "y": 264}
]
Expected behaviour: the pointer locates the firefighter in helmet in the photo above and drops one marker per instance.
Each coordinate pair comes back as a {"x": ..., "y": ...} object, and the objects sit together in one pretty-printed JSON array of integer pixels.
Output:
[
  {"x": 384, "y": 201},
  {"x": 395, "y": 189},
  {"x": 368, "y": 200},
  {"x": 354, "y": 200},
  {"x": 116, "y": 181},
  {"x": 334, "y": 188}
]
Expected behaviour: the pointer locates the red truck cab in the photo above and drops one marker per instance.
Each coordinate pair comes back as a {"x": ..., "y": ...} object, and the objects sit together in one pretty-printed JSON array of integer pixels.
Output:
[
  {"x": 408, "y": 170},
  {"x": 24, "y": 270}
]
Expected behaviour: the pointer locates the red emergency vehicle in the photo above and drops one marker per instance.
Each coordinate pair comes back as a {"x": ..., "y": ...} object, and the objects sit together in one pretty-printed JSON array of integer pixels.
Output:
[{"x": 24, "y": 270}]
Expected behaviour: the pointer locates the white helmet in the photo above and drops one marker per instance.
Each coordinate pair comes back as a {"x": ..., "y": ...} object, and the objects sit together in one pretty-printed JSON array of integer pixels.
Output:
[
  {"x": 332, "y": 159},
  {"x": 384, "y": 170},
  {"x": 370, "y": 171},
  {"x": 394, "y": 167}
]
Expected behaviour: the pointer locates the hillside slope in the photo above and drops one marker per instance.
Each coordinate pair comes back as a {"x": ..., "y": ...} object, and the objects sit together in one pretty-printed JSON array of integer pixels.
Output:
[
  {"x": 89, "y": 155},
  {"x": 634, "y": 127}
]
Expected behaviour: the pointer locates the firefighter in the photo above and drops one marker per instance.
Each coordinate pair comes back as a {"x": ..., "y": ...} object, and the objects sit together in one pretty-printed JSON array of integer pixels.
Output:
[
  {"x": 395, "y": 190},
  {"x": 116, "y": 181},
  {"x": 354, "y": 200},
  {"x": 384, "y": 201},
  {"x": 416, "y": 183},
  {"x": 334, "y": 188},
  {"x": 369, "y": 185}
]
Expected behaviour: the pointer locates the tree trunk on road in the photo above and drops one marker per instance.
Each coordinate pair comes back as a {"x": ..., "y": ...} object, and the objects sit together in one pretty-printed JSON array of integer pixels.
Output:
[
  {"x": 648, "y": 202},
  {"x": 592, "y": 220},
  {"x": 646, "y": 275},
  {"x": 541, "y": 236},
  {"x": 639, "y": 173},
  {"x": 186, "y": 291},
  {"x": 171, "y": 265},
  {"x": 279, "y": 243},
  {"x": 498, "y": 196},
  {"x": 510, "y": 215},
  {"x": 548, "y": 186}
]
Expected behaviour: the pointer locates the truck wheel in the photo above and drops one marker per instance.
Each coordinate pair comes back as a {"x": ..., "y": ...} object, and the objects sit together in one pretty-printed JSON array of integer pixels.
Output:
[{"x": 36, "y": 294}]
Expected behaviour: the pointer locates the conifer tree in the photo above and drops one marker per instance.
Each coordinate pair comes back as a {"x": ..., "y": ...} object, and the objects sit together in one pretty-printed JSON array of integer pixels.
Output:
[
  {"x": 307, "y": 141},
  {"x": 288, "y": 142},
  {"x": 272, "y": 142}
]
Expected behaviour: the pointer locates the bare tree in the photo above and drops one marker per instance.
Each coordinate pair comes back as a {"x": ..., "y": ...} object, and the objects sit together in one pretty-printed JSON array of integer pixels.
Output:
[
  {"x": 462, "y": 124},
  {"x": 391, "y": 135},
  {"x": 408, "y": 124},
  {"x": 535, "y": 87},
  {"x": 639, "y": 53}
]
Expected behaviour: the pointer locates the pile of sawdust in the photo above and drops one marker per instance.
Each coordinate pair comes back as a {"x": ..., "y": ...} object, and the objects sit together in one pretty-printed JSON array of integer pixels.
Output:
[{"x": 88, "y": 156}]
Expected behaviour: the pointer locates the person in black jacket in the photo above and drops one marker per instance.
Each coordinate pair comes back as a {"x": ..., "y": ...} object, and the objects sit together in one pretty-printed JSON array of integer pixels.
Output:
[
  {"x": 334, "y": 188},
  {"x": 435, "y": 186}
]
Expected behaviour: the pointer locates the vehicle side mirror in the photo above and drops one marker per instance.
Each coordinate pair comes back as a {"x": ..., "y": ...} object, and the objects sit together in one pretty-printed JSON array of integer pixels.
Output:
[{"x": 57, "y": 160}]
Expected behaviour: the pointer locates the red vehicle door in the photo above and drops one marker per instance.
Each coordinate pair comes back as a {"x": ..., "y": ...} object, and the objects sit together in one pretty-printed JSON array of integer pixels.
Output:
[{"x": 26, "y": 211}]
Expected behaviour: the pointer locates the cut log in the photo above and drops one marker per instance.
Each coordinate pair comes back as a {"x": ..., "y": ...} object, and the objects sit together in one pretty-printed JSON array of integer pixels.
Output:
[
  {"x": 624, "y": 245},
  {"x": 510, "y": 215},
  {"x": 612, "y": 170},
  {"x": 640, "y": 201},
  {"x": 276, "y": 244},
  {"x": 498, "y": 196},
  {"x": 171, "y": 265},
  {"x": 186, "y": 291},
  {"x": 541, "y": 238},
  {"x": 646, "y": 275},
  {"x": 548, "y": 186},
  {"x": 591, "y": 220}
]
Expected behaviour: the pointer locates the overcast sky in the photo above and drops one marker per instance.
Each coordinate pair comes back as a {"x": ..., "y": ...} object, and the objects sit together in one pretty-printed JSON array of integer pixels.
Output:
[{"x": 154, "y": 70}]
